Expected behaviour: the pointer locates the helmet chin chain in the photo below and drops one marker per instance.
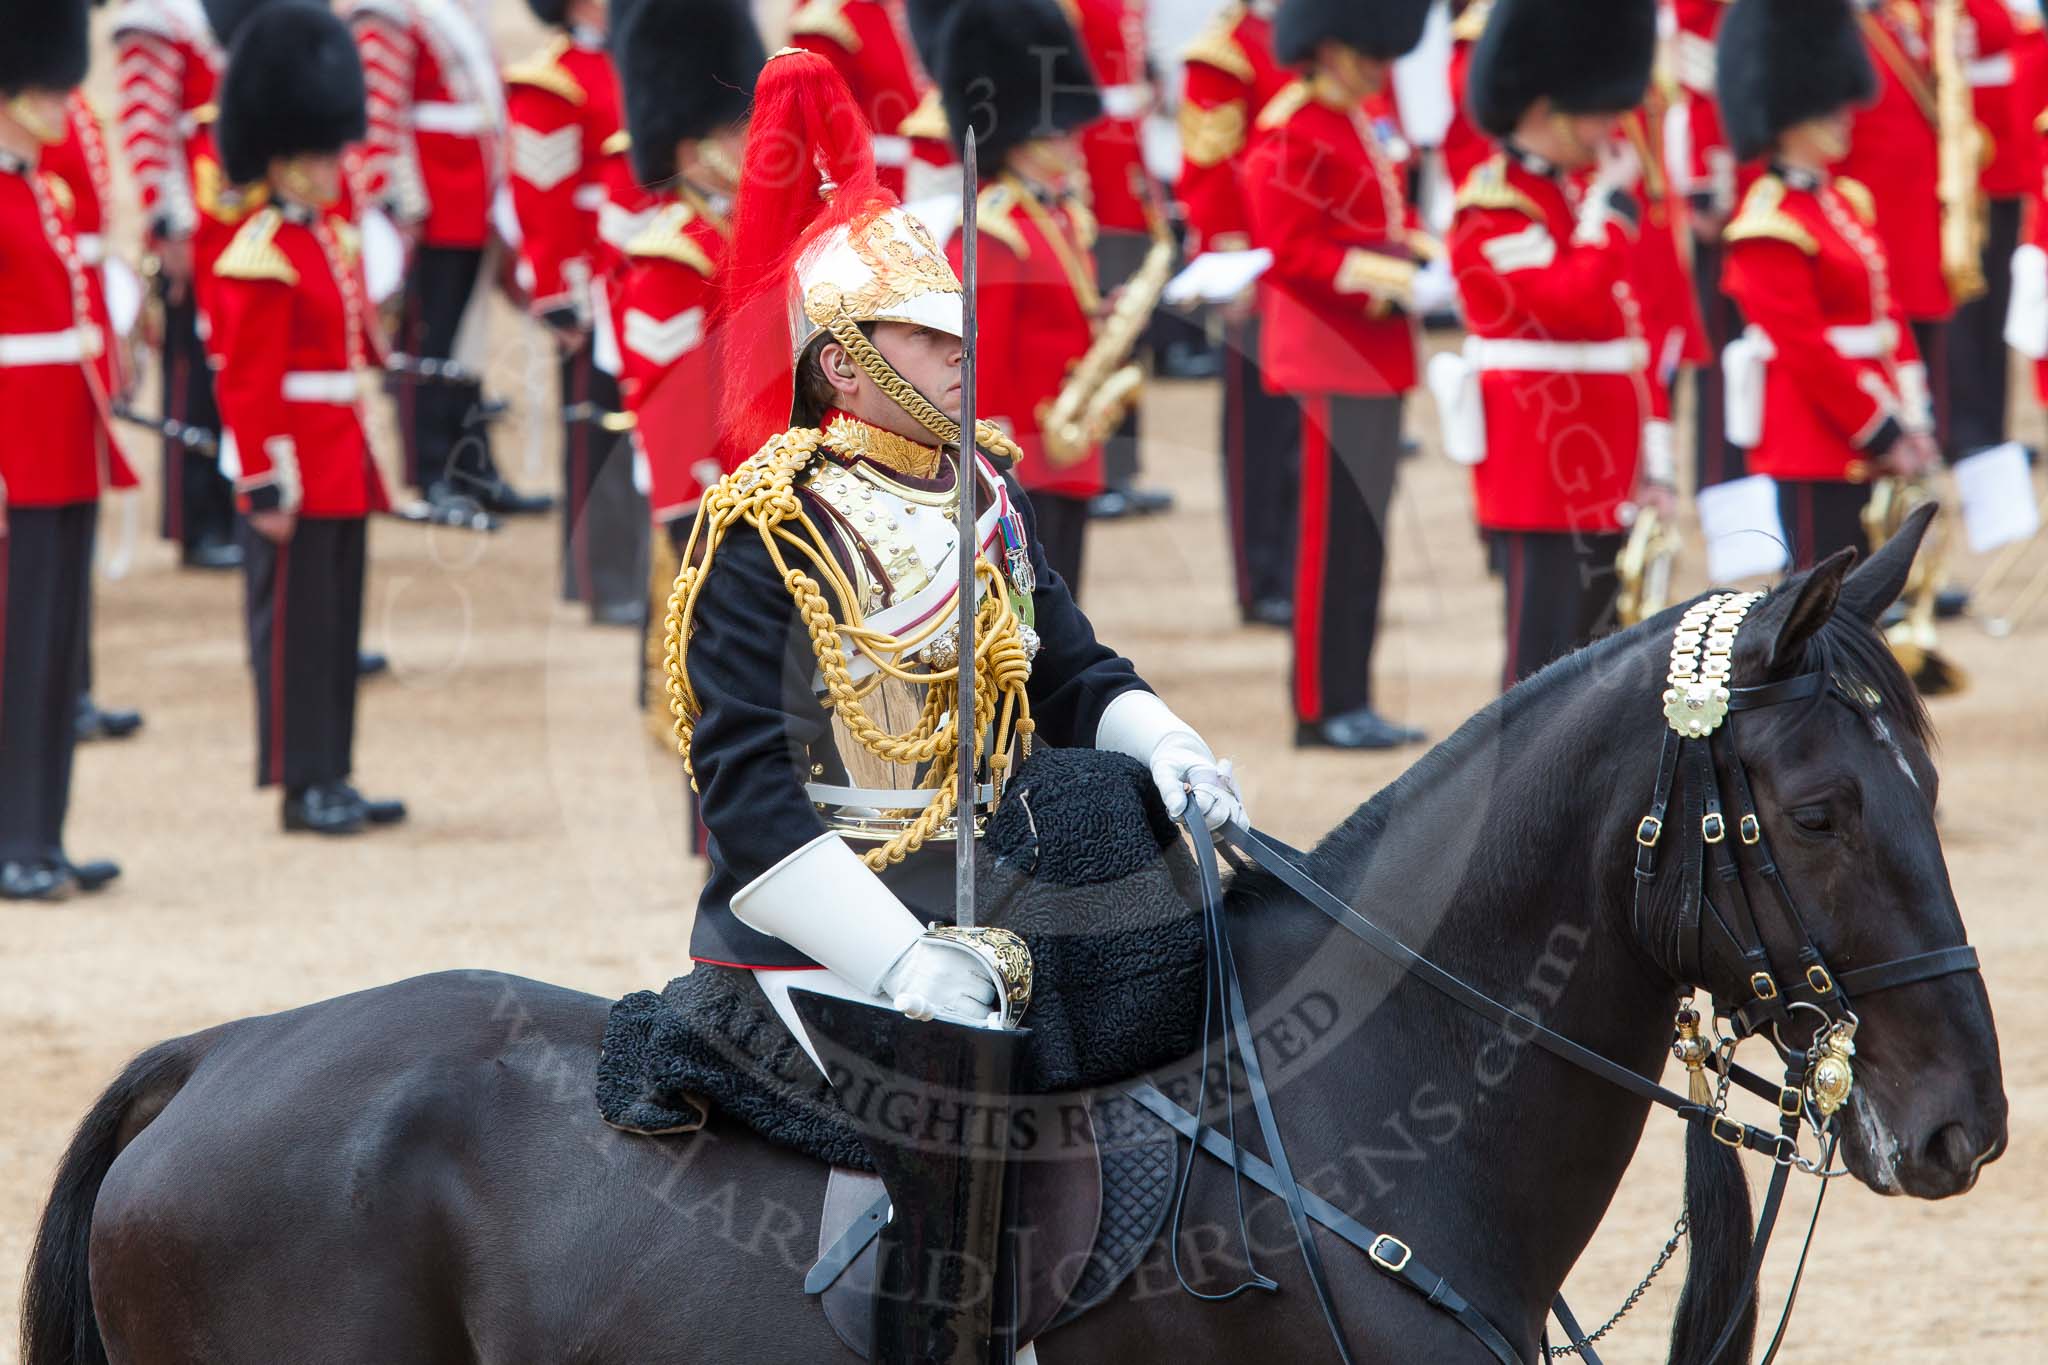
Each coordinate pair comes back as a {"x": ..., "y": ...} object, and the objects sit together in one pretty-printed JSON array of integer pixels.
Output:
[{"x": 900, "y": 390}]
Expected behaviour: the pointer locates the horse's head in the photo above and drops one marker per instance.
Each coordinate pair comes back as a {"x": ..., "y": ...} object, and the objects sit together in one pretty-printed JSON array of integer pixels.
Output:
[{"x": 1846, "y": 790}]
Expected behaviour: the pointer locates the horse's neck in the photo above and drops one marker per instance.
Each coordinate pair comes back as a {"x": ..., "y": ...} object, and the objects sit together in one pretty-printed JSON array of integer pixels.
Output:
[{"x": 1506, "y": 875}]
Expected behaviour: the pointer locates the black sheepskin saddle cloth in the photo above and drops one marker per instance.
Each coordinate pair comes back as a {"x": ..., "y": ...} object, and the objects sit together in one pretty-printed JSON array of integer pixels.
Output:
[{"x": 1080, "y": 859}]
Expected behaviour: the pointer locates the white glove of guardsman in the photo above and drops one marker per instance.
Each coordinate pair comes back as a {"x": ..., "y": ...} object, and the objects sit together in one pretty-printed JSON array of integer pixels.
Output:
[
  {"x": 826, "y": 903},
  {"x": 1139, "y": 725}
]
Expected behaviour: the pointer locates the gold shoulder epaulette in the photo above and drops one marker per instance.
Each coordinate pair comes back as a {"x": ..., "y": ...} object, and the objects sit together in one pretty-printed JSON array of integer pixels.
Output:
[
  {"x": 618, "y": 144},
  {"x": 1762, "y": 217},
  {"x": 254, "y": 255},
  {"x": 928, "y": 120},
  {"x": 665, "y": 240},
  {"x": 1292, "y": 99},
  {"x": 996, "y": 212},
  {"x": 1487, "y": 187},
  {"x": 1467, "y": 27},
  {"x": 1217, "y": 46},
  {"x": 825, "y": 19},
  {"x": 1211, "y": 136},
  {"x": 546, "y": 72},
  {"x": 1860, "y": 198}
]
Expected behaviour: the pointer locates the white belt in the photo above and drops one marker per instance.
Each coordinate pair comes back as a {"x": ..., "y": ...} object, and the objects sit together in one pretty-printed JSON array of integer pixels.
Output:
[
  {"x": 1624, "y": 356},
  {"x": 72, "y": 346},
  {"x": 320, "y": 386},
  {"x": 1125, "y": 101},
  {"x": 91, "y": 247},
  {"x": 891, "y": 150},
  {"x": 1990, "y": 72},
  {"x": 440, "y": 116},
  {"x": 589, "y": 198},
  {"x": 1865, "y": 341},
  {"x": 883, "y": 798}
]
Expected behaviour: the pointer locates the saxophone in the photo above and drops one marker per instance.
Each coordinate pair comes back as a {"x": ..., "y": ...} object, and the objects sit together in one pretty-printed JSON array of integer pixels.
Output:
[
  {"x": 1105, "y": 383},
  {"x": 1644, "y": 568},
  {"x": 1914, "y": 640},
  {"x": 1960, "y": 158}
]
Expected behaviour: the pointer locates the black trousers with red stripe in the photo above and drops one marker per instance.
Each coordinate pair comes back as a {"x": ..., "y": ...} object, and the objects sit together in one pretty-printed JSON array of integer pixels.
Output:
[
  {"x": 1931, "y": 336},
  {"x": 45, "y": 576},
  {"x": 1718, "y": 460},
  {"x": 1117, "y": 257},
  {"x": 198, "y": 501},
  {"x": 1560, "y": 588},
  {"x": 1979, "y": 373},
  {"x": 305, "y": 618},
  {"x": 1063, "y": 534},
  {"x": 1350, "y": 451},
  {"x": 446, "y": 439},
  {"x": 604, "y": 518},
  {"x": 1261, "y": 471},
  {"x": 1821, "y": 517}
]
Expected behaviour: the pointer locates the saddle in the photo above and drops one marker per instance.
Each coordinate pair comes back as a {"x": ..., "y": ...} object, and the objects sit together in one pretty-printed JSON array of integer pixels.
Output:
[{"x": 1091, "y": 1194}]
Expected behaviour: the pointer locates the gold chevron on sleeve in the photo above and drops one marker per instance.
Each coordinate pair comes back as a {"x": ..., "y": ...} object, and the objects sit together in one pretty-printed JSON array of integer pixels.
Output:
[{"x": 254, "y": 253}]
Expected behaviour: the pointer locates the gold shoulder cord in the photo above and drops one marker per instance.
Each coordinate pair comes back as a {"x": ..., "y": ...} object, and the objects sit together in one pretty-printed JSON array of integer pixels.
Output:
[{"x": 762, "y": 493}]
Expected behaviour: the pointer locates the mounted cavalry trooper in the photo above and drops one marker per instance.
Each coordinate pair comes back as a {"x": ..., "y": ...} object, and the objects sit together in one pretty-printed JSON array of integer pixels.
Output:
[
  {"x": 1554, "y": 392},
  {"x": 813, "y": 633},
  {"x": 58, "y": 456},
  {"x": 566, "y": 149},
  {"x": 170, "y": 55},
  {"x": 433, "y": 161},
  {"x": 1805, "y": 265},
  {"x": 292, "y": 328},
  {"x": 1341, "y": 333}
]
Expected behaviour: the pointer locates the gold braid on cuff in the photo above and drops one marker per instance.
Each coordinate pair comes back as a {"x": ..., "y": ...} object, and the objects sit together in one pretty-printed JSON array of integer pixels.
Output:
[{"x": 1005, "y": 955}]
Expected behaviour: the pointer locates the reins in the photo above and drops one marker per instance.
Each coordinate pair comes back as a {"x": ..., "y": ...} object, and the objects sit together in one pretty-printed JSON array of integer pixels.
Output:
[{"x": 1810, "y": 1090}]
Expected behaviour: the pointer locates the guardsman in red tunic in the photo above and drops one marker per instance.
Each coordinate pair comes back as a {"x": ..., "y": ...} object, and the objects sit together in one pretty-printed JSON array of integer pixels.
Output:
[
  {"x": 1894, "y": 152},
  {"x": 79, "y": 165},
  {"x": 1660, "y": 276},
  {"x": 59, "y": 456},
  {"x": 1230, "y": 75},
  {"x": 869, "y": 43},
  {"x": 433, "y": 162},
  {"x": 1979, "y": 396},
  {"x": 1543, "y": 244},
  {"x": 565, "y": 146},
  {"x": 688, "y": 70},
  {"x": 1464, "y": 146},
  {"x": 292, "y": 328},
  {"x": 1341, "y": 321},
  {"x": 1038, "y": 296},
  {"x": 1805, "y": 265}
]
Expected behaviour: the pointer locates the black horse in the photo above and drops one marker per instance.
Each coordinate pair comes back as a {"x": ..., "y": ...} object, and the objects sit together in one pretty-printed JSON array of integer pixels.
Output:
[{"x": 416, "y": 1173}]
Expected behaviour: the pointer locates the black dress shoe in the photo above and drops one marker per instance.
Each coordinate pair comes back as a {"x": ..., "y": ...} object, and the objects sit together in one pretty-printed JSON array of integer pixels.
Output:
[
  {"x": 630, "y": 612},
  {"x": 450, "y": 506},
  {"x": 93, "y": 875},
  {"x": 36, "y": 881},
  {"x": 369, "y": 664},
  {"x": 213, "y": 555},
  {"x": 1149, "y": 502},
  {"x": 328, "y": 808},
  {"x": 378, "y": 810},
  {"x": 1110, "y": 506},
  {"x": 1270, "y": 611},
  {"x": 1182, "y": 361},
  {"x": 93, "y": 723},
  {"x": 507, "y": 501},
  {"x": 1361, "y": 729},
  {"x": 1951, "y": 603}
]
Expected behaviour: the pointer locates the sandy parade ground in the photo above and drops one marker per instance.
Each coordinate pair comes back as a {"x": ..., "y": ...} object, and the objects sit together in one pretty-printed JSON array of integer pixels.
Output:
[{"x": 546, "y": 841}]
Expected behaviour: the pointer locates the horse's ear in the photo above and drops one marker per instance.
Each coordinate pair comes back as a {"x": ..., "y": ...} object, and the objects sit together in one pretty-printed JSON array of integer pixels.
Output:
[
  {"x": 1873, "y": 588},
  {"x": 1795, "y": 614}
]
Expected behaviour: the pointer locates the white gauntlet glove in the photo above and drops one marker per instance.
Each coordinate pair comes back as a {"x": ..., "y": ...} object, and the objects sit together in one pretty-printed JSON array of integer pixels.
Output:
[
  {"x": 935, "y": 978},
  {"x": 1139, "y": 725}
]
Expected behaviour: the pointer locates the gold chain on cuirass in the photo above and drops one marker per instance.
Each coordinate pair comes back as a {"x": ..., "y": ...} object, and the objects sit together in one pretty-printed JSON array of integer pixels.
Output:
[{"x": 762, "y": 493}]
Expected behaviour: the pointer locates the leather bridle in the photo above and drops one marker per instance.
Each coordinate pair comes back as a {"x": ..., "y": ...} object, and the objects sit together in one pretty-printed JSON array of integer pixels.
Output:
[{"x": 1712, "y": 856}]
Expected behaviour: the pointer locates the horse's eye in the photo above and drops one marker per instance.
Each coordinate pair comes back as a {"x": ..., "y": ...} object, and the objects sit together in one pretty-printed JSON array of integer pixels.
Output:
[{"x": 1814, "y": 818}]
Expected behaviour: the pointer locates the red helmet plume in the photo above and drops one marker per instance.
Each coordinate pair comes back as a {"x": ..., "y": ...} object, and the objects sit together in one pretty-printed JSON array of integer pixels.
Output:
[{"x": 809, "y": 168}]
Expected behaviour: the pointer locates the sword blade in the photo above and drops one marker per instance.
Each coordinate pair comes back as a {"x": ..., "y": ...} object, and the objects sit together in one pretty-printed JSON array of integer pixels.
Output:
[{"x": 970, "y": 541}]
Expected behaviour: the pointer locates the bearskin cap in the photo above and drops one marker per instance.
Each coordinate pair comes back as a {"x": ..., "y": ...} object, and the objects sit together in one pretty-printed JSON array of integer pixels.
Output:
[
  {"x": 927, "y": 20},
  {"x": 226, "y": 17},
  {"x": 294, "y": 84},
  {"x": 47, "y": 45},
  {"x": 1782, "y": 62},
  {"x": 688, "y": 68},
  {"x": 1015, "y": 71},
  {"x": 553, "y": 13},
  {"x": 1587, "y": 56},
  {"x": 1385, "y": 29}
]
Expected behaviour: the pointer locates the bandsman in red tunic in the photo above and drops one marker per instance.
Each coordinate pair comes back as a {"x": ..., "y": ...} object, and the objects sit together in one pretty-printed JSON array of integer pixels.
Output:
[
  {"x": 57, "y": 459},
  {"x": 1806, "y": 266},
  {"x": 1464, "y": 146},
  {"x": 1661, "y": 275},
  {"x": 433, "y": 162},
  {"x": 869, "y": 43},
  {"x": 566, "y": 151},
  {"x": 1230, "y": 74},
  {"x": 1039, "y": 296},
  {"x": 1340, "y": 333},
  {"x": 293, "y": 330},
  {"x": 1552, "y": 411}
]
